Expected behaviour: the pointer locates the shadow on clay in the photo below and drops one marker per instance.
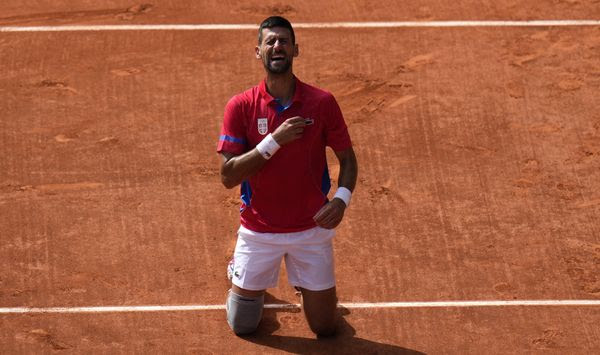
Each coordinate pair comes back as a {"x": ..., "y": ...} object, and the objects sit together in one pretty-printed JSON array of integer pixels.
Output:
[{"x": 344, "y": 342}]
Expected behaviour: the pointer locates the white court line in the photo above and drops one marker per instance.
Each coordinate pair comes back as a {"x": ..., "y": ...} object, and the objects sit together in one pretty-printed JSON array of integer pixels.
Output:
[
  {"x": 435, "y": 304},
  {"x": 394, "y": 24}
]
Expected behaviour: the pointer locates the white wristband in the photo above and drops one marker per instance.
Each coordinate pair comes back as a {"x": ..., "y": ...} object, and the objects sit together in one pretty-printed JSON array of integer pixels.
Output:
[
  {"x": 268, "y": 146},
  {"x": 343, "y": 194}
]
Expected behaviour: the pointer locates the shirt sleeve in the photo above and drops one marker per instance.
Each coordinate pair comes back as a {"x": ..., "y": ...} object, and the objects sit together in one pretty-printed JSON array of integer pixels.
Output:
[
  {"x": 233, "y": 133},
  {"x": 336, "y": 131}
]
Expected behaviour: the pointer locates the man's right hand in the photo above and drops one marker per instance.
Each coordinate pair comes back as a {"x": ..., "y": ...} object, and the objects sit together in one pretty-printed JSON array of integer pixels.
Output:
[{"x": 289, "y": 131}]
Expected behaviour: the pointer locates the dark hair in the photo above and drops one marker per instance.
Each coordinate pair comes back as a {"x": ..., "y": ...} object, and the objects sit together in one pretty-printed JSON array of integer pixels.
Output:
[{"x": 275, "y": 21}]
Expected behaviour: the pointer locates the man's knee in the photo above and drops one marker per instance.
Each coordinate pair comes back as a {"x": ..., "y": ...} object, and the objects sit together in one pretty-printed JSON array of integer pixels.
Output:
[
  {"x": 244, "y": 313},
  {"x": 323, "y": 330},
  {"x": 320, "y": 310}
]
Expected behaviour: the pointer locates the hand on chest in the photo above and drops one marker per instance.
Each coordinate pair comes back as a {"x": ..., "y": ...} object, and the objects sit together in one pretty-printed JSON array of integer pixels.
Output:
[{"x": 264, "y": 123}]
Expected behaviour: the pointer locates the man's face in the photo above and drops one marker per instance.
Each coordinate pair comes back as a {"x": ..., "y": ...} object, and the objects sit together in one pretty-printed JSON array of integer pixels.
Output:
[{"x": 276, "y": 50}]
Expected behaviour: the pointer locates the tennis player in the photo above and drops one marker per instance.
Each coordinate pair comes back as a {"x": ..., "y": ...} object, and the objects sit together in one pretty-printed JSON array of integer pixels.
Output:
[{"x": 273, "y": 141}]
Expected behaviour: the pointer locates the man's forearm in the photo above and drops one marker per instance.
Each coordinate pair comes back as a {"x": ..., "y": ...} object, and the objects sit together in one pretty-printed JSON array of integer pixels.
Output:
[
  {"x": 331, "y": 214},
  {"x": 236, "y": 169},
  {"x": 348, "y": 172}
]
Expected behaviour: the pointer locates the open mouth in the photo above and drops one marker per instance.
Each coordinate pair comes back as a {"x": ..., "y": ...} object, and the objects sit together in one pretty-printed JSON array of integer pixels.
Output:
[{"x": 277, "y": 58}]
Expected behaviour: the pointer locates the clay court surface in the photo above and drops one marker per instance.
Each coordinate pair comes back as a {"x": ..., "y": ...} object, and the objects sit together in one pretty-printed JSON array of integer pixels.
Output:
[{"x": 479, "y": 157}]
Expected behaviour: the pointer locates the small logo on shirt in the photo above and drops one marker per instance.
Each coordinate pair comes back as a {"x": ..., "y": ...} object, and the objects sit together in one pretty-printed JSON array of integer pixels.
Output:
[{"x": 263, "y": 126}]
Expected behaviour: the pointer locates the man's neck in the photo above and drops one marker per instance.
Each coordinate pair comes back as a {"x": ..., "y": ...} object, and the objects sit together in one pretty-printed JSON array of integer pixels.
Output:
[{"x": 281, "y": 86}]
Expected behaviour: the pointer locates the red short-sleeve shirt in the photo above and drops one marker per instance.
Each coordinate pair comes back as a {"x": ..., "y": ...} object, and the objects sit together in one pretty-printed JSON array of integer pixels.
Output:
[{"x": 293, "y": 185}]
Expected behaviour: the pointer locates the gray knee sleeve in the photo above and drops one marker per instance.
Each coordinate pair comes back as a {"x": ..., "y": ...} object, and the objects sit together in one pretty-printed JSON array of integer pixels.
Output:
[{"x": 244, "y": 313}]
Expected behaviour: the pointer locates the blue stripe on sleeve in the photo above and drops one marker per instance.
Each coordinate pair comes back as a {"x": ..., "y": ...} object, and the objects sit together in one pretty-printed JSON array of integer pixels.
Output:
[{"x": 232, "y": 139}]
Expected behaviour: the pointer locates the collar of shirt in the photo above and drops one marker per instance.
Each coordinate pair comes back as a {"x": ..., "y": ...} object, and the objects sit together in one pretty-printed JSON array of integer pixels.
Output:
[{"x": 270, "y": 99}]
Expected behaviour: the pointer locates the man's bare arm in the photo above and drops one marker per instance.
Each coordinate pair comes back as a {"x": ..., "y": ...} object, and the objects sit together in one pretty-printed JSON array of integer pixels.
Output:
[
  {"x": 237, "y": 168},
  {"x": 348, "y": 168},
  {"x": 330, "y": 215}
]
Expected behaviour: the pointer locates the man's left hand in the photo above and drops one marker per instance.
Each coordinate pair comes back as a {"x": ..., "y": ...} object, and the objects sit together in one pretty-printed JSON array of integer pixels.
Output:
[{"x": 330, "y": 215}]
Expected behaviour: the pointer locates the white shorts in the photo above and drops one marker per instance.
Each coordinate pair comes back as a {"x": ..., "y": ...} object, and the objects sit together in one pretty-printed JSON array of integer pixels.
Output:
[{"x": 308, "y": 259}]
